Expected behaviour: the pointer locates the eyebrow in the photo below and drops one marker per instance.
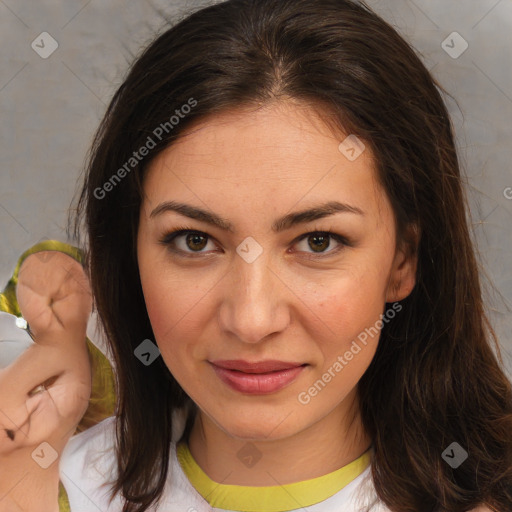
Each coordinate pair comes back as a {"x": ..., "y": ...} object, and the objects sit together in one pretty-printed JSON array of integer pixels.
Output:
[{"x": 286, "y": 222}]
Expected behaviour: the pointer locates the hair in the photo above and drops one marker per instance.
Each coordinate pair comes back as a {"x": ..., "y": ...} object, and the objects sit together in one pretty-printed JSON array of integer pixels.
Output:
[{"x": 437, "y": 374}]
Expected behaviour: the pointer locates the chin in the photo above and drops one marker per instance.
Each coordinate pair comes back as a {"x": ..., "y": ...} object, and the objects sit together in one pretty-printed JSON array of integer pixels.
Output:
[
  {"x": 249, "y": 432},
  {"x": 258, "y": 426}
]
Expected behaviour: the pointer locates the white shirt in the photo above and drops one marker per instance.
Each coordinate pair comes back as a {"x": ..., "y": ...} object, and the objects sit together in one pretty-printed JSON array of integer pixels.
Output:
[{"x": 88, "y": 461}]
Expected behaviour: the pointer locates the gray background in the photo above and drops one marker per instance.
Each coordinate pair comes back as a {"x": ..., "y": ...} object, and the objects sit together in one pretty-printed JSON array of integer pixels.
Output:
[{"x": 51, "y": 107}]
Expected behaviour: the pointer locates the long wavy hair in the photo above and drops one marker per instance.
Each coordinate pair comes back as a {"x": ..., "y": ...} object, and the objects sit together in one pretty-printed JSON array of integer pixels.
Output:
[{"x": 437, "y": 375}]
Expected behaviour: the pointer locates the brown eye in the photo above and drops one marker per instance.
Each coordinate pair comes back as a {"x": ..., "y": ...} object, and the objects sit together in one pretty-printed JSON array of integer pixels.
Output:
[
  {"x": 319, "y": 242},
  {"x": 186, "y": 242},
  {"x": 196, "y": 241}
]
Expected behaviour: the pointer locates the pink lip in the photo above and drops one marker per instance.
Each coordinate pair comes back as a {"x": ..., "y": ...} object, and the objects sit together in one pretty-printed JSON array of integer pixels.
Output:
[{"x": 257, "y": 378}]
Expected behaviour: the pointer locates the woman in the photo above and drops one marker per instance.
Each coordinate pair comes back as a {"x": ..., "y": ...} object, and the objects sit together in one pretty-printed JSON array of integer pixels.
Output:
[{"x": 274, "y": 201}]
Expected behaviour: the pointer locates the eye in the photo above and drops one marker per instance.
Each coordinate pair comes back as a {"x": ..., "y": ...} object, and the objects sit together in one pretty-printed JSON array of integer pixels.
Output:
[
  {"x": 187, "y": 241},
  {"x": 320, "y": 241}
]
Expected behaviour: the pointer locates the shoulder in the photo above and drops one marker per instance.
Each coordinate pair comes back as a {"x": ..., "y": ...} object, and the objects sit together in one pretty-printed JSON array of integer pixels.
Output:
[
  {"x": 88, "y": 466},
  {"x": 98, "y": 437},
  {"x": 101, "y": 439},
  {"x": 361, "y": 494}
]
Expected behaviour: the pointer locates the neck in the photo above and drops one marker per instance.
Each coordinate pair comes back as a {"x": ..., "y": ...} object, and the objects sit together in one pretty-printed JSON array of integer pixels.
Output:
[{"x": 327, "y": 445}]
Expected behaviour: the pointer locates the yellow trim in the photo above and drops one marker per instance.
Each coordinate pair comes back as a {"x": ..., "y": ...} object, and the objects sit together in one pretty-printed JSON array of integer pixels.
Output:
[
  {"x": 278, "y": 498},
  {"x": 8, "y": 301},
  {"x": 63, "y": 499}
]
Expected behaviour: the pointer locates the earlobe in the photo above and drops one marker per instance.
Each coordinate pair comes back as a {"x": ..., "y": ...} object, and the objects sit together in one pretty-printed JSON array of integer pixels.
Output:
[
  {"x": 401, "y": 287},
  {"x": 403, "y": 273}
]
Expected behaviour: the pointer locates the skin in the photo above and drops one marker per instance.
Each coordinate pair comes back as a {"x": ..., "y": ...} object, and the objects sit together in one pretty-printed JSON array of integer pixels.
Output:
[
  {"x": 54, "y": 297},
  {"x": 291, "y": 304}
]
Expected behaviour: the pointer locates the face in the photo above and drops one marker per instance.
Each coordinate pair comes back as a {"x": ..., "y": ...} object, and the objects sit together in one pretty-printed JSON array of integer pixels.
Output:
[{"x": 253, "y": 310}]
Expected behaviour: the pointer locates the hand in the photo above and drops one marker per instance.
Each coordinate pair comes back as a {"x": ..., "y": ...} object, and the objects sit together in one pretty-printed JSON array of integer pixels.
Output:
[
  {"x": 45, "y": 392},
  {"x": 53, "y": 293}
]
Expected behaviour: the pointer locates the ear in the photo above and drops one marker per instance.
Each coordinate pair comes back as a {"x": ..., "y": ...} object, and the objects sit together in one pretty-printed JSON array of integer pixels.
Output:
[{"x": 403, "y": 272}]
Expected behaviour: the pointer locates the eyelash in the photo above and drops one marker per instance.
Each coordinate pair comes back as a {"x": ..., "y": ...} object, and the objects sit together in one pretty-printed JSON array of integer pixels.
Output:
[{"x": 168, "y": 239}]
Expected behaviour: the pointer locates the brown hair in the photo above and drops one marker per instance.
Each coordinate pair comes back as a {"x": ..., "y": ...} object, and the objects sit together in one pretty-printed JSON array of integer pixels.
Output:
[{"x": 434, "y": 378}]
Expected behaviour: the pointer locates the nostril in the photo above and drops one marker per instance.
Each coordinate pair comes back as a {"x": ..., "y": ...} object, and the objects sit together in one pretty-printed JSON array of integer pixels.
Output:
[{"x": 10, "y": 434}]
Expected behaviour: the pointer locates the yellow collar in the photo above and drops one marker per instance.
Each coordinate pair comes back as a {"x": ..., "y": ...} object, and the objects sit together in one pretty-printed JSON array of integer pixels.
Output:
[{"x": 278, "y": 498}]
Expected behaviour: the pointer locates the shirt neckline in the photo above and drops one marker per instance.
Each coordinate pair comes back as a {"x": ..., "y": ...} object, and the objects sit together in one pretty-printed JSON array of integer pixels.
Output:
[{"x": 278, "y": 498}]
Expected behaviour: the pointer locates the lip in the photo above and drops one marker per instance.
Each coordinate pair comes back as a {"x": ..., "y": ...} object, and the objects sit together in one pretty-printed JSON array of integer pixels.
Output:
[{"x": 257, "y": 378}]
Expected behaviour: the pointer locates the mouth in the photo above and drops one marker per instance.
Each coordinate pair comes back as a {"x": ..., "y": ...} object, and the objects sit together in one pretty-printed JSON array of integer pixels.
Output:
[{"x": 258, "y": 378}]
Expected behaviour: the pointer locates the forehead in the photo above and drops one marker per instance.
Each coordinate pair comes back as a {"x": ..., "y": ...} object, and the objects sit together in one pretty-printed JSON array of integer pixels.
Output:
[{"x": 283, "y": 153}]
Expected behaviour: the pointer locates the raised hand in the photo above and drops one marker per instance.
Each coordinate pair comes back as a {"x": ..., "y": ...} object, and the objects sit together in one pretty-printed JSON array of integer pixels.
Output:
[{"x": 45, "y": 391}]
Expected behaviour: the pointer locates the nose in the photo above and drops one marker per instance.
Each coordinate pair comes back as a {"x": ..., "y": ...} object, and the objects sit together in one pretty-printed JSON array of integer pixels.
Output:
[{"x": 255, "y": 302}]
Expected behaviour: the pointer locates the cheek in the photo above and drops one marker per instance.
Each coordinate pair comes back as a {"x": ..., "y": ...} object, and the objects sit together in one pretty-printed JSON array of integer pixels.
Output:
[
  {"x": 171, "y": 293},
  {"x": 168, "y": 300},
  {"x": 349, "y": 303},
  {"x": 349, "y": 344},
  {"x": 176, "y": 309}
]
